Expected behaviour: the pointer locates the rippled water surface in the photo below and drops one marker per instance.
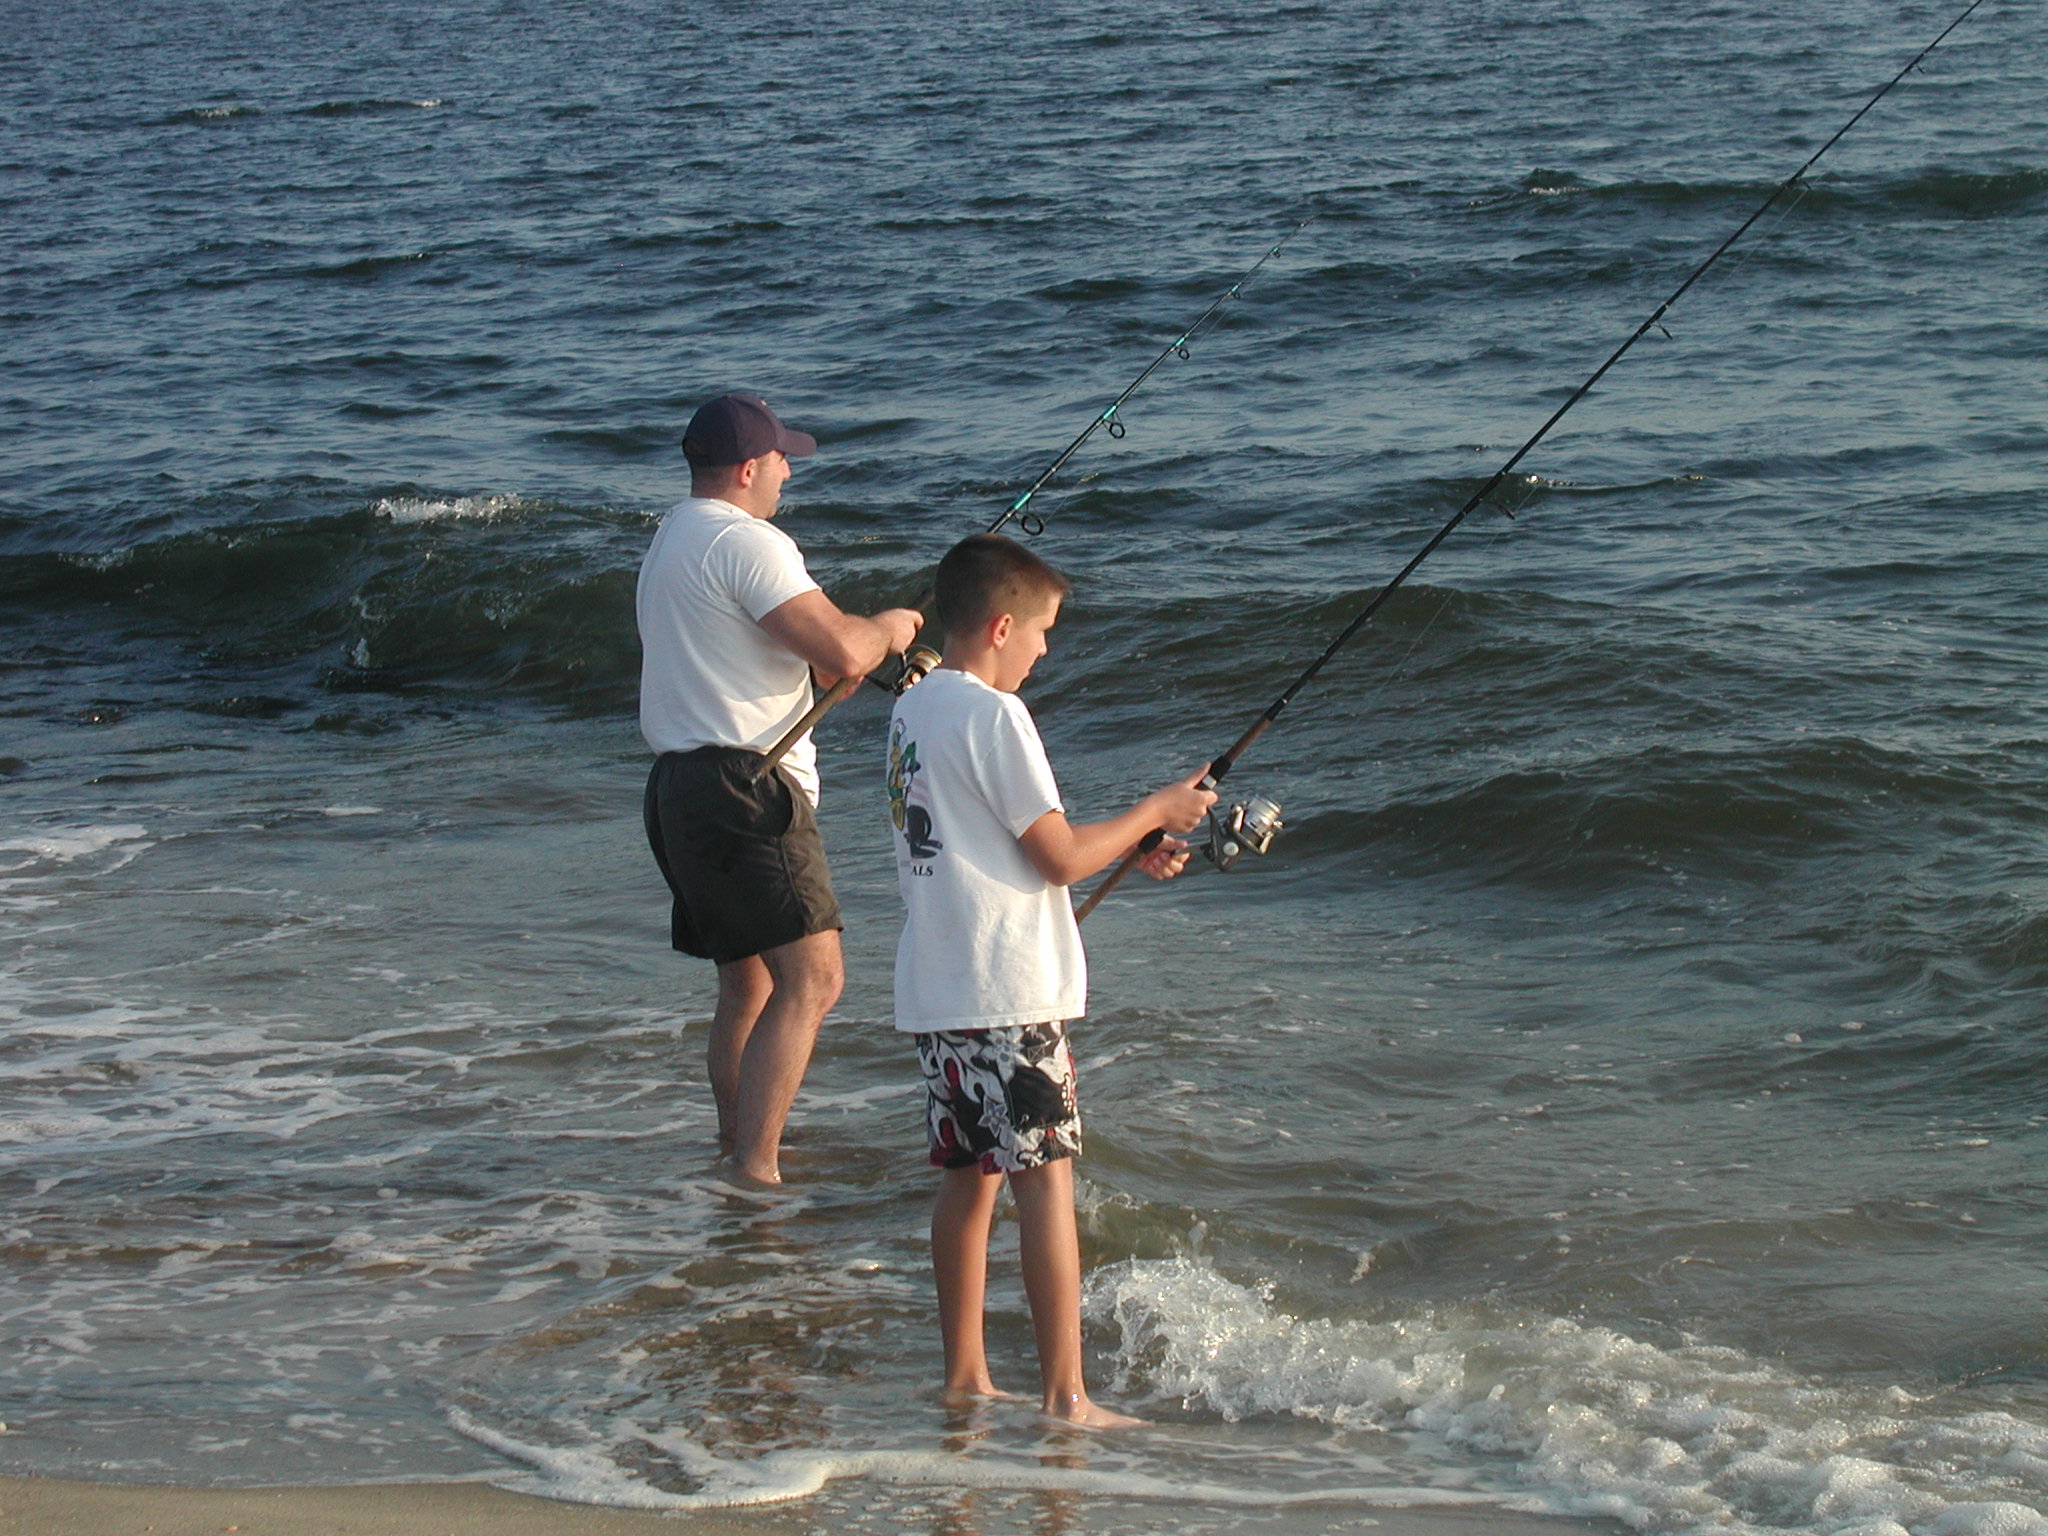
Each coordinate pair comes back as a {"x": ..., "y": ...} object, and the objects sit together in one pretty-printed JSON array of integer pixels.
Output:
[{"x": 1618, "y": 1092}]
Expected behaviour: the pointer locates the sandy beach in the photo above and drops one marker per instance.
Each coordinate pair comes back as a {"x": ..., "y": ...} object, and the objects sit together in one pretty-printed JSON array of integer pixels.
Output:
[
  {"x": 38, "y": 1506},
  {"x": 58, "y": 1507}
]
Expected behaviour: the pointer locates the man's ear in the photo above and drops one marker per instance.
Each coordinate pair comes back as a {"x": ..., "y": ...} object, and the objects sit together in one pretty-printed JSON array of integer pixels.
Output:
[{"x": 743, "y": 472}]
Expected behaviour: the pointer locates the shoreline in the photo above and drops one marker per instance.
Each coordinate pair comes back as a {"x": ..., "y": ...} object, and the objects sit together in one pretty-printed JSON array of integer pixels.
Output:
[{"x": 54, "y": 1506}]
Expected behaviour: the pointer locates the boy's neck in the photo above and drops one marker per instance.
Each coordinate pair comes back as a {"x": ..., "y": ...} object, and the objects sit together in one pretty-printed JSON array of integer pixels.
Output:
[{"x": 975, "y": 660}]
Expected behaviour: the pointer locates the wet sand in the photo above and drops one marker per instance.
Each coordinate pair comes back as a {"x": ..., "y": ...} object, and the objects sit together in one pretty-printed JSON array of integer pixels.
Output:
[
  {"x": 40, "y": 1506},
  {"x": 45, "y": 1506}
]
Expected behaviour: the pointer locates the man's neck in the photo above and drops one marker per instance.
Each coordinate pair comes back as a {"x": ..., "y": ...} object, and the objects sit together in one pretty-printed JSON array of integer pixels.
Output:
[{"x": 733, "y": 497}]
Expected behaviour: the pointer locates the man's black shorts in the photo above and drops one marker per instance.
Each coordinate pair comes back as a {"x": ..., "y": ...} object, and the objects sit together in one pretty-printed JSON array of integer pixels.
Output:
[{"x": 742, "y": 855}]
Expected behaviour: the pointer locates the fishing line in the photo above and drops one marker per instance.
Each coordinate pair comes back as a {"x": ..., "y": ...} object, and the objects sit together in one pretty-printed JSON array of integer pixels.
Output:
[
  {"x": 920, "y": 659},
  {"x": 1252, "y": 825},
  {"x": 1391, "y": 675},
  {"x": 1536, "y": 483},
  {"x": 1742, "y": 258}
]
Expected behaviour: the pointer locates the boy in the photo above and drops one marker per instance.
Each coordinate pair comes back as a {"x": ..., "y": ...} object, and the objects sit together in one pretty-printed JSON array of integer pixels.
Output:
[{"x": 990, "y": 966}]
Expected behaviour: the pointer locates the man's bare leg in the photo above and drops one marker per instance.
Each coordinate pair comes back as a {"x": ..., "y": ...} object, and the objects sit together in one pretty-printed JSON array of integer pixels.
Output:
[
  {"x": 805, "y": 977},
  {"x": 961, "y": 1219},
  {"x": 1051, "y": 1250},
  {"x": 743, "y": 990}
]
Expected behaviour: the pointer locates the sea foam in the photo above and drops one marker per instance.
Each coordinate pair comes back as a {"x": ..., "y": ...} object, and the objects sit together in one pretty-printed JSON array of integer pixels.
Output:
[
  {"x": 590, "y": 1474},
  {"x": 65, "y": 845},
  {"x": 424, "y": 509},
  {"x": 1589, "y": 1419}
]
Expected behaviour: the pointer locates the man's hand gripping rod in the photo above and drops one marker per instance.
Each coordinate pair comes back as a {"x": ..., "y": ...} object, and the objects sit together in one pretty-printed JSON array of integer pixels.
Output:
[{"x": 911, "y": 667}]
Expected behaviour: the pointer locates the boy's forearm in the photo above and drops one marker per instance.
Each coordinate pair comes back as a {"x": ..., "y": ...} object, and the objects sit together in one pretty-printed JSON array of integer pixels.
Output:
[
  {"x": 1102, "y": 843},
  {"x": 1064, "y": 852}
]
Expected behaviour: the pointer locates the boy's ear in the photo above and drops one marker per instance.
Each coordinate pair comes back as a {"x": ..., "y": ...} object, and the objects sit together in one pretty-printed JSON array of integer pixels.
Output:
[{"x": 999, "y": 628}]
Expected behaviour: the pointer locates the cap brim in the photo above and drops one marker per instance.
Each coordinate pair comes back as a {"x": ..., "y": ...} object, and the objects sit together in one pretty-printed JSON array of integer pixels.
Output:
[{"x": 798, "y": 445}]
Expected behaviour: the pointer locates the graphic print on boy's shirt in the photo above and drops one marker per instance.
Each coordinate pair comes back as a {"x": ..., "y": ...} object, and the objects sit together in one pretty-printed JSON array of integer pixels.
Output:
[{"x": 907, "y": 806}]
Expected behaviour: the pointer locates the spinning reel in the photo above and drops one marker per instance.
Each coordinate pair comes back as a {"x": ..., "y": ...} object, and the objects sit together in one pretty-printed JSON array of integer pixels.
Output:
[
  {"x": 918, "y": 662},
  {"x": 1247, "y": 827}
]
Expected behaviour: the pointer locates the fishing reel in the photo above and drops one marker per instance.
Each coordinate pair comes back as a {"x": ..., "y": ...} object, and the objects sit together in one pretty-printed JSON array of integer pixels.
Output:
[
  {"x": 918, "y": 662},
  {"x": 1247, "y": 827}
]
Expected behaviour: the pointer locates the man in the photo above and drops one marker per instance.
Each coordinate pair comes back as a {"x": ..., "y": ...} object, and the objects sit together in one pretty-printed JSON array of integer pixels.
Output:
[{"x": 733, "y": 631}]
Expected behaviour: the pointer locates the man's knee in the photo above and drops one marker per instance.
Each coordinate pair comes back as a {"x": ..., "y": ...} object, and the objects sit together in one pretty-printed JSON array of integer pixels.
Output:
[
  {"x": 744, "y": 985},
  {"x": 811, "y": 968}
]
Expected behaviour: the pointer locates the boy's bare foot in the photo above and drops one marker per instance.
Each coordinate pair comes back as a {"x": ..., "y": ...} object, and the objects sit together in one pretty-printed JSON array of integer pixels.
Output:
[{"x": 1081, "y": 1413}]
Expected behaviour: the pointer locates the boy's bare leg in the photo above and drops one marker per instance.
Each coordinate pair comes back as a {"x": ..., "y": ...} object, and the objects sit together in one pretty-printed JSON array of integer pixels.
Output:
[
  {"x": 961, "y": 1219},
  {"x": 743, "y": 988},
  {"x": 1051, "y": 1247},
  {"x": 805, "y": 979}
]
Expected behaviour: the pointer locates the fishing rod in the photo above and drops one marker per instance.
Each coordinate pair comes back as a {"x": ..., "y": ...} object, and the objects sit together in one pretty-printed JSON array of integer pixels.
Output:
[
  {"x": 1252, "y": 825},
  {"x": 920, "y": 659}
]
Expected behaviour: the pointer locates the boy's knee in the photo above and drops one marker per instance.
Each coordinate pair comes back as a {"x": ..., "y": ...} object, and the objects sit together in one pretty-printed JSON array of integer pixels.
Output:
[{"x": 1048, "y": 1182}]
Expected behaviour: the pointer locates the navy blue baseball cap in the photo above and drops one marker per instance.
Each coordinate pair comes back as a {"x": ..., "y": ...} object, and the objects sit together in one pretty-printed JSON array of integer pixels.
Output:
[{"x": 735, "y": 428}]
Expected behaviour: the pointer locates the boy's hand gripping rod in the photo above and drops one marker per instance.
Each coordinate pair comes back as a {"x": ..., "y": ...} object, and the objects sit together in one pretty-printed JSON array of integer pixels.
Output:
[
  {"x": 1220, "y": 767},
  {"x": 920, "y": 659}
]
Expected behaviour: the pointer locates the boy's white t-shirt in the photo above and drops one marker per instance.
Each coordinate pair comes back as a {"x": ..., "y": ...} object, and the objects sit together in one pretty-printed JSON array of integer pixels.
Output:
[
  {"x": 710, "y": 675},
  {"x": 990, "y": 942}
]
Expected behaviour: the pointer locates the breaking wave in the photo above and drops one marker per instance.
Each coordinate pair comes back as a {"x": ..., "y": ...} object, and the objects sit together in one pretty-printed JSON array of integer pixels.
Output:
[{"x": 1688, "y": 1437}]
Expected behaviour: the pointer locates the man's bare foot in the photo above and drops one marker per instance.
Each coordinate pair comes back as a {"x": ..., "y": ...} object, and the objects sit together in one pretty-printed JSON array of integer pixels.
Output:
[
  {"x": 735, "y": 1179},
  {"x": 967, "y": 1394},
  {"x": 751, "y": 1175},
  {"x": 1080, "y": 1413}
]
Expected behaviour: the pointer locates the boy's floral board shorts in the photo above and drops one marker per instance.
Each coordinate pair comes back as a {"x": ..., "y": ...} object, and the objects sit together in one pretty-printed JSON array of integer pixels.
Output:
[{"x": 1000, "y": 1099}]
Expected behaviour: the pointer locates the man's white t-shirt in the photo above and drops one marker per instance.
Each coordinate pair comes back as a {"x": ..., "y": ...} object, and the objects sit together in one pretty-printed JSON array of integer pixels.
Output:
[
  {"x": 709, "y": 674},
  {"x": 989, "y": 941}
]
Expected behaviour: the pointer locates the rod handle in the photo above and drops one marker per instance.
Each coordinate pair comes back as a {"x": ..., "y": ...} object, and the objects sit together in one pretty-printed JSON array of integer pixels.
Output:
[
  {"x": 1130, "y": 862},
  {"x": 911, "y": 668},
  {"x": 836, "y": 694}
]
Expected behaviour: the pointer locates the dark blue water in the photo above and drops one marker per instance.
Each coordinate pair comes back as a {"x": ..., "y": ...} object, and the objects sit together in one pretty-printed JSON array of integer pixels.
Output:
[{"x": 1616, "y": 1093}]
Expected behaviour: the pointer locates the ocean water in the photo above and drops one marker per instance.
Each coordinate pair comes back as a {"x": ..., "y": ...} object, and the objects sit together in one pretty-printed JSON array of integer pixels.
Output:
[{"x": 1618, "y": 1093}]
